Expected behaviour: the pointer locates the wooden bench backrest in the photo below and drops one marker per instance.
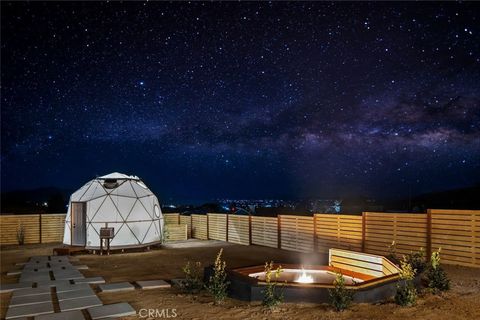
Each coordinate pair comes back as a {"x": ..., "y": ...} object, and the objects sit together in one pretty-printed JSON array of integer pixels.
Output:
[{"x": 369, "y": 264}]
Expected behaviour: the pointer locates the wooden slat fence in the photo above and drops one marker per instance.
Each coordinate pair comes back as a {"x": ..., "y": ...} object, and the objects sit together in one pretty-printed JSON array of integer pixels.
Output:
[
  {"x": 338, "y": 231},
  {"x": 199, "y": 226},
  {"x": 239, "y": 229},
  {"x": 175, "y": 232},
  {"x": 457, "y": 233},
  {"x": 265, "y": 231},
  {"x": 188, "y": 221},
  {"x": 408, "y": 230},
  {"x": 296, "y": 233},
  {"x": 52, "y": 227},
  {"x": 217, "y": 226},
  {"x": 11, "y": 224},
  {"x": 171, "y": 218}
]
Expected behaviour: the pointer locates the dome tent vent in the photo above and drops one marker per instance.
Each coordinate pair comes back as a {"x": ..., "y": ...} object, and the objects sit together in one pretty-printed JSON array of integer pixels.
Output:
[{"x": 110, "y": 183}]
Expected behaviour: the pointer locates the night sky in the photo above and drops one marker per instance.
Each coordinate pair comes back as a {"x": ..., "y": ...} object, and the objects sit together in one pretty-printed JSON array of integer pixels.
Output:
[{"x": 242, "y": 100}]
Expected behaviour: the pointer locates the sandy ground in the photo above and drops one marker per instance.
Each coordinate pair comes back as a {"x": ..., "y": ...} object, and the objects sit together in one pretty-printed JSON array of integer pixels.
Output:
[{"x": 462, "y": 302}]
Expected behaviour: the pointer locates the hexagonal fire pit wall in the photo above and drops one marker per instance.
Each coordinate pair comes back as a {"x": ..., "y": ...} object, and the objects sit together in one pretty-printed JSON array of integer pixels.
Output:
[{"x": 372, "y": 277}]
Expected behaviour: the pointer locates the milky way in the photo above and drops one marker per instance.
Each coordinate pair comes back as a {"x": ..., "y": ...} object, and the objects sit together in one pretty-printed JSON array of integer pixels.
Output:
[{"x": 207, "y": 100}]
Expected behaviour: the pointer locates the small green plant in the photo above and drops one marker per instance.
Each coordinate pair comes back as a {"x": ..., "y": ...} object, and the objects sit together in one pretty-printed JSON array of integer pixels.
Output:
[
  {"x": 217, "y": 284},
  {"x": 392, "y": 253},
  {"x": 417, "y": 260},
  {"x": 21, "y": 234},
  {"x": 435, "y": 276},
  {"x": 340, "y": 297},
  {"x": 272, "y": 298},
  {"x": 406, "y": 292},
  {"x": 193, "y": 282}
]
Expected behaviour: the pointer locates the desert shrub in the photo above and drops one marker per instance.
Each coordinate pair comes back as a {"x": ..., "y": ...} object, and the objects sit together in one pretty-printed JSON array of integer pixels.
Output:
[
  {"x": 340, "y": 296},
  {"x": 21, "y": 234},
  {"x": 392, "y": 253},
  {"x": 406, "y": 292},
  {"x": 417, "y": 260},
  {"x": 436, "y": 278},
  {"x": 217, "y": 284},
  {"x": 193, "y": 281},
  {"x": 271, "y": 296},
  {"x": 165, "y": 234}
]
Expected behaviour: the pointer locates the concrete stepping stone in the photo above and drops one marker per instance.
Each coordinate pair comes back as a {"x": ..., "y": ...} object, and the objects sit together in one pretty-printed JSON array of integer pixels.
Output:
[
  {"x": 31, "y": 291},
  {"x": 72, "y": 287},
  {"x": 25, "y": 300},
  {"x": 70, "y": 315},
  {"x": 52, "y": 283},
  {"x": 39, "y": 270},
  {"x": 32, "y": 268},
  {"x": 34, "y": 276},
  {"x": 80, "y": 303},
  {"x": 94, "y": 280},
  {"x": 55, "y": 259},
  {"x": 31, "y": 279},
  {"x": 30, "y": 310},
  {"x": 66, "y": 270},
  {"x": 60, "y": 264},
  {"x": 9, "y": 287},
  {"x": 39, "y": 259},
  {"x": 67, "y": 275},
  {"x": 35, "y": 272},
  {"x": 153, "y": 284},
  {"x": 80, "y": 267},
  {"x": 116, "y": 287},
  {"x": 115, "y": 310},
  {"x": 75, "y": 294}
]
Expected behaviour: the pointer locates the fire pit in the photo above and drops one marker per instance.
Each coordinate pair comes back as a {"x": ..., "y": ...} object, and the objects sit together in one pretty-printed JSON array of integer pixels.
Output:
[
  {"x": 314, "y": 274},
  {"x": 372, "y": 277}
]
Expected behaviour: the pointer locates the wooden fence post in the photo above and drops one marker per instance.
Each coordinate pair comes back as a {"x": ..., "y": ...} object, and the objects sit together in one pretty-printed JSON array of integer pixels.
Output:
[
  {"x": 429, "y": 234},
  {"x": 364, "y": 218},
  {"x": 279, "y": 233},
  {"x": 315, "y": 240},
  {"x": 40, "y": 228},
  {"x": 191, "y": 226},
  {"x": 208, "y": 238},
  {"x": 250, "y": 229},
  {"x": 226, "y": 227}
]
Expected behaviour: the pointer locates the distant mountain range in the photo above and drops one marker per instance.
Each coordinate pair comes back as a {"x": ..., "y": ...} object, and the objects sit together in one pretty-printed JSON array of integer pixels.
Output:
[
  {"x": 463, "y": 198},
  {"x": 54, "y": 200},
  {"x": 49, "y": 199}
]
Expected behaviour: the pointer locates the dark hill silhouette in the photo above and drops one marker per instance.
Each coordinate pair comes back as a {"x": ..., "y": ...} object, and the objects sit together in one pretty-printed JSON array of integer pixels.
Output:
[{"x": 41, "y": 200}]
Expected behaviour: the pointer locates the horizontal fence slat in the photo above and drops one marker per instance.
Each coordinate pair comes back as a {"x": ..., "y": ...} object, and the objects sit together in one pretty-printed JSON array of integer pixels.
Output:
[{"x": 457, "y": 232}]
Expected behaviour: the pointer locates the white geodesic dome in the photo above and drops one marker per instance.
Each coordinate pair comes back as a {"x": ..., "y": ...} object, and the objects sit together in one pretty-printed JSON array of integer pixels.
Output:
[{"x": 115, "y": 200}]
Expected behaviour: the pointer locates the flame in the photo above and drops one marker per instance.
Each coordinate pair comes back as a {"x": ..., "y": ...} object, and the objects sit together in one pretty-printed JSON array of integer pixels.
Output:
[{"x": 304, "y": 277}]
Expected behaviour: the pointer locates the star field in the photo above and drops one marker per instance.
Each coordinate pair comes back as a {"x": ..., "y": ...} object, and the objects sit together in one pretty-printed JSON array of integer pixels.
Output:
[{"x": 206, "y": 100}]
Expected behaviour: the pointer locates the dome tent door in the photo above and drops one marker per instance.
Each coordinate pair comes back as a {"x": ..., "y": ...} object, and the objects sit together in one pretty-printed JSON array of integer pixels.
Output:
[{"x": 78, "y": 220}]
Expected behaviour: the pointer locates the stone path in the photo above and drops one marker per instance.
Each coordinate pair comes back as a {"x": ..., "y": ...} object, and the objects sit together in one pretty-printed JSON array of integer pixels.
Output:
[
  {"x": 46, "y": 280},
  {"x": 153, "y": 284},
  {"x": 116, "y": 287}
]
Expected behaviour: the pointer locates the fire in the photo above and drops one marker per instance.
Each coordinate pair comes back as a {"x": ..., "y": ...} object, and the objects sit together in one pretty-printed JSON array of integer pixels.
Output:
[{"x": 304, "y": 277}]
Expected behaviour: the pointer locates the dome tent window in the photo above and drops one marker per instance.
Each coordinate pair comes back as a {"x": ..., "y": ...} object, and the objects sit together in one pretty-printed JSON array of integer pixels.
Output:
[
  {"x": 110, "y": 183},
  {"x": 116, "y": 200}
]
